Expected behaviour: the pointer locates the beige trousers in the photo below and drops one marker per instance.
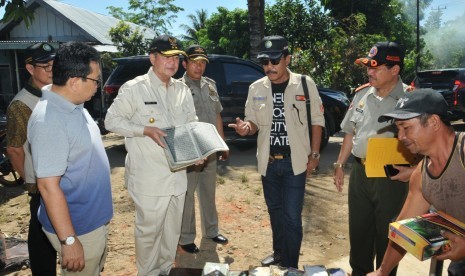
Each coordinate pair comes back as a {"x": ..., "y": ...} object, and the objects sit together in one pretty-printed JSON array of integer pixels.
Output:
[{"x": 95, "y": 246}]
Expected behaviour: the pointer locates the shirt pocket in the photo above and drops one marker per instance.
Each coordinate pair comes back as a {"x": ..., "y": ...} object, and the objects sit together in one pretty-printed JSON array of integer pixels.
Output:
[
  {"x": 151, "y": 115},
  {"x": 260, "y": 107},
  {"x": 298, "y": 113}
]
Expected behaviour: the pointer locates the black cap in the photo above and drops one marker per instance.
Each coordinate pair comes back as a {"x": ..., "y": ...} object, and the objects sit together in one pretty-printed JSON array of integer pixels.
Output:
[
  {"x": 39, "y": 53},
  {"x": 381, "y": 53},
  {"x": 416, "y": 103},
  {"x": 166, "y": 45},
  {"x": 196, "y": 52},
  {"x": 272, "y": 47}
]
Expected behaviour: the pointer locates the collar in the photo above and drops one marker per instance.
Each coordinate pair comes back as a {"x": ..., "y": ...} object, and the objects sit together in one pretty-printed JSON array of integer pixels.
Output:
[
  {"x": 154, "y": 79},
  {"x": 396, "y": 93},
  {"x": 61, "y": 102},
  {"x": 32, "y": 89},
  {"x": 293, "y": 79}
]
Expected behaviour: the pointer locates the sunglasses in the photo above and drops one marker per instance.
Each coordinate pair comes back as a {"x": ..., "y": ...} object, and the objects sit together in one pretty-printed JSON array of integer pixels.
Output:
[{"x": 265, "y": 62}]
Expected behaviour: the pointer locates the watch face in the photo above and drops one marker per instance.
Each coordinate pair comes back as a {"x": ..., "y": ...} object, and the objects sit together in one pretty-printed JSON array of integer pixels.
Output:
[{"x": 69, "y": 240}]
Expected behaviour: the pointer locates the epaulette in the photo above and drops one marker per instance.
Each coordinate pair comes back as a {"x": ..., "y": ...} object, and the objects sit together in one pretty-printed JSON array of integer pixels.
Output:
[
  {"x": 210, "y": 80},
  {"x": 362, "y": 87}
]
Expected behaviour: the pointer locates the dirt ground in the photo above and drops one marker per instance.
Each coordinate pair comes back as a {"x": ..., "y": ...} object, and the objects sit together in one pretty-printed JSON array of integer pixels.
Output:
[{"x": 242, "y": 214}]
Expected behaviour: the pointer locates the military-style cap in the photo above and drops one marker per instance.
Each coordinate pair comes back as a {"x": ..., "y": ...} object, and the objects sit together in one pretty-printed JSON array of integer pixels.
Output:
[
  {"x": 381, "y": 53},
  {"x": 272, "y": 47},
  {"x": 166, "y": 45},
  {"x": 39, "y": 53},
  {"x": 416, "y": 103},
  {"x": 196, "y": 52}
]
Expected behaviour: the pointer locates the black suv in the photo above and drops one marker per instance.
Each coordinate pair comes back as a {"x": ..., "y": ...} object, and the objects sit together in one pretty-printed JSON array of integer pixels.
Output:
[
  {"x": 450, "y": 83},
  {"x": 233, "y": 77}
]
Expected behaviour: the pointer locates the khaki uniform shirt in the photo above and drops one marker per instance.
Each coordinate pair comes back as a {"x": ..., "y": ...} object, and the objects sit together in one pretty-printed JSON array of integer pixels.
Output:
[
  {"x": 146, "y": 101},
  {"x": 206, "y": 98},
  {"x": 259, "y": 110},
  {"x": 361, "y": 119}
]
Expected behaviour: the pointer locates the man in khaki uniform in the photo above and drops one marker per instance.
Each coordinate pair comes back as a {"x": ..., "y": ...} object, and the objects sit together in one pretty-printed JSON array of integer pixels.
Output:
[
  {"x": 143, "y": 106},
  {"x": 202, "y": 178}
]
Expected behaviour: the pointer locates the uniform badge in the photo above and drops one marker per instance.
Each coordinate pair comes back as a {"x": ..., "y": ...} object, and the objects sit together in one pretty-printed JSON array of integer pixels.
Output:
[
  {"x": 300, "y": 98},
  {"x": 152, "y": 120},
  {"x": 361, "y": 104}
]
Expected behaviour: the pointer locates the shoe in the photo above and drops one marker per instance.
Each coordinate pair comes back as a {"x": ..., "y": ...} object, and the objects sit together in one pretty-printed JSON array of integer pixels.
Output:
[
  {"x": 220, "y": 239},
  {"x": 190, "y": 248},
  {"x": 272, "y": 259}
]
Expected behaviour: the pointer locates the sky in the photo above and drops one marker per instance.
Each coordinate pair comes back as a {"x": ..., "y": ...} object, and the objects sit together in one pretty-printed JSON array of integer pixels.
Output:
[{"x": 450, "y": 8}]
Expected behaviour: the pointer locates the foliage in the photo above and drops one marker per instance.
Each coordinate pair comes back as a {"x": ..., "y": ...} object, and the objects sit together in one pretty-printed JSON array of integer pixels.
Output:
[
  {"x": 198, "y": 22},
  {"x": 16, "y": 10},
  {"x": 228, "y": 32},
  {"x": 156, "y": 15},
  {"x": 129, "y": 42}
]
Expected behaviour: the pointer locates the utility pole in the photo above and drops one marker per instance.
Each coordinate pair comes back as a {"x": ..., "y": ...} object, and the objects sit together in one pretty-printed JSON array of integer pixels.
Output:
[{"x": 418, "y": 37}]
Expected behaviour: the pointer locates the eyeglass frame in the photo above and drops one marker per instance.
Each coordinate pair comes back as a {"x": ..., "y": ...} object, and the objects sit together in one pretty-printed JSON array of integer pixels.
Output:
[
  {"x": 98, "y": 82},
  {"x": 268, "y": 60},
  {"x": 44, "y": 67}
]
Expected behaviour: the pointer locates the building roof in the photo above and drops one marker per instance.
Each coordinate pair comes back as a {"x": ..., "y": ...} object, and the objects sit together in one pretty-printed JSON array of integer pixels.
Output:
[{"x": 93, "y": 26}]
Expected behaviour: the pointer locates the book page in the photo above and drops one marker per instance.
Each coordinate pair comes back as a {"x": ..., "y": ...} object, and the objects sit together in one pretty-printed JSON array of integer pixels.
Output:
[{"x": 207, "y": 142}]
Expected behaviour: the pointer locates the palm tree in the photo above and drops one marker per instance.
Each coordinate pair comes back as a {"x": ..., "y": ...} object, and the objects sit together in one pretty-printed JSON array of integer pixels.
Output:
[
  {"x": 198, "y": 21},
  {"x": 256, "y": 9}
]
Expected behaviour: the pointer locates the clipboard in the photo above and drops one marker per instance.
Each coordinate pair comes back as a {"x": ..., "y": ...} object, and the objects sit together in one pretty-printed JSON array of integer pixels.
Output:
[{"x": 383, "y": 151}]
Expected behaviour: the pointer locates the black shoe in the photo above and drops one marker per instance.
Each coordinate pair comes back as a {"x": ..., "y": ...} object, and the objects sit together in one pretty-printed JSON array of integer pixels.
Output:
[
  {"x": 220, "y": 239},
  {"x": 272, "y": 259},
  {"x": 190, "y": 248}
]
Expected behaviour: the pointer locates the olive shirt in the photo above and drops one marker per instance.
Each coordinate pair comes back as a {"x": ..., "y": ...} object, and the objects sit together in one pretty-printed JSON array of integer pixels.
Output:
[
  {"x": 206, "y": 99},
  {"x": 361, "y": 119},
  {"x": 259, "y": 110}
]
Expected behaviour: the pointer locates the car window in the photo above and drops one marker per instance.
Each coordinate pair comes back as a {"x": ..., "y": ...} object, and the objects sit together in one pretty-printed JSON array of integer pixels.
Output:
[
  {"x": 238, "y": 77},
  {"x": 436, "y": 79},
  {"x": 129, "y": 71}
]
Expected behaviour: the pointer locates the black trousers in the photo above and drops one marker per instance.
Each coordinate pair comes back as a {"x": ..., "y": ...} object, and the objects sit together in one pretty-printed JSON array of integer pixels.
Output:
[{"x": 42, "y": 255}]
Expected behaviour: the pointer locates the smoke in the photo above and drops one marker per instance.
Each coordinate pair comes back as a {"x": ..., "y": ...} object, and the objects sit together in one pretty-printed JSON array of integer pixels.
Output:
[{"x": 446, "y": 44}]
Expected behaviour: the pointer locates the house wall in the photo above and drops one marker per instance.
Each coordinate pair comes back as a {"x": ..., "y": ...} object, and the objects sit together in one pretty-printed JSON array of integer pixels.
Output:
[{"x": 45, "y": 27}]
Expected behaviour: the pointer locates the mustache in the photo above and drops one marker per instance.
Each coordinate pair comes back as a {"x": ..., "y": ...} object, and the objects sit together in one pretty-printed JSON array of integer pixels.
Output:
[{"x": 271, "y": 72}]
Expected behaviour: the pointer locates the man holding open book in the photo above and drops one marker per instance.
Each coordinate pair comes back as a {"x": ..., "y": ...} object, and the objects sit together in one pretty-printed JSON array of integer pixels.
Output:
[{"x": 421, "y": 118}]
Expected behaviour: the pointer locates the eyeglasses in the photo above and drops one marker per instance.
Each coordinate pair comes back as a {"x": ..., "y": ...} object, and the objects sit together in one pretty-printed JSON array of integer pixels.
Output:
[
  {"x": 265, "y": 62},
  {"x": 98, "y": 82},
  {"x": 47, "y": 68}
]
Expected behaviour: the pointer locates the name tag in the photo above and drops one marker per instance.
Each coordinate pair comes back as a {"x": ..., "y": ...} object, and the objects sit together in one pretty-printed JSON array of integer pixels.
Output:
[
  {"x": 150, "y": 102},
  {"x": 359, "y": 110},
  {"x": 300, "y": 98}
]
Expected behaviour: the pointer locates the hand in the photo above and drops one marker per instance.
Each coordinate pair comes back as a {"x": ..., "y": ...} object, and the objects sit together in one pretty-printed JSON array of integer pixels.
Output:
[
  {"x": 224, "y": 155},
  {"x": 455, "y": 250},
  {"x": 73, "y": 256},
  {"x": 155, "y": 133},
  {"x": 242, "y": 128},
  {"x": 200, "y": 162},
  {"x": 338, "y": 178},
  {"x": 312, "y": 165},
  {"x": 404, "y": 173}
]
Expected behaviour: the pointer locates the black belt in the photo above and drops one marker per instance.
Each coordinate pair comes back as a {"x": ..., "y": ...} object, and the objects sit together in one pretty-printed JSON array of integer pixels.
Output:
[
  {"x": 359, "y": 160},
  {"x": 278, "y": 156},
  {"x": 31, "y": 188}
]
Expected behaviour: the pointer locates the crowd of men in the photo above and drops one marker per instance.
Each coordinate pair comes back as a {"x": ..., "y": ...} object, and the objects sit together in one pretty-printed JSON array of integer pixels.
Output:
[{"x": 55, "y": 145}]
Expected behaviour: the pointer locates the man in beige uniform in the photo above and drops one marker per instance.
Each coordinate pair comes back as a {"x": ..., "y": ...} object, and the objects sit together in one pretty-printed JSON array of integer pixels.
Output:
[
  {"x": 143, "y": 106},
  {"x": 202, "y": 178}
]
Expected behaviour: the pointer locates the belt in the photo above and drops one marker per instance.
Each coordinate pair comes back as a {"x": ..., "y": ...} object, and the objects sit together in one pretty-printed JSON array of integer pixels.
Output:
[
  {"x": 278, "y": 156},
  {"x": 31, "y": 188},
  {"x": 359, "y": 160}
]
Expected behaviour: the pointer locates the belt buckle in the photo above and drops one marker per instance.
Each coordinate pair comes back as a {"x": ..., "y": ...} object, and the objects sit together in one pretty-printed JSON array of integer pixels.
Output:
[{"x": 278, "y": 156}]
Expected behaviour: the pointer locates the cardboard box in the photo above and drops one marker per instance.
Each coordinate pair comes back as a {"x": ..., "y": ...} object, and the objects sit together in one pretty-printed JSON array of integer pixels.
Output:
[{"x": 421, "y": 235}]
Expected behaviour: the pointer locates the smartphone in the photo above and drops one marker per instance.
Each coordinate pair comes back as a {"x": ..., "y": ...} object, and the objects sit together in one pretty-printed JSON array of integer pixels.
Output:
[{"x": 391, "y": 171}]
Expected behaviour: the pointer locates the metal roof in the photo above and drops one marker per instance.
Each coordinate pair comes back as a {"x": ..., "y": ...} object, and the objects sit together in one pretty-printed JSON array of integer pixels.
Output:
[{"x": 94, "y": 25}]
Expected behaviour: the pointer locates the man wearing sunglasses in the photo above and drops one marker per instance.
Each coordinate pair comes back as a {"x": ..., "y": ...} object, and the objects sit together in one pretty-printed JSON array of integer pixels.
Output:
[
  {"x": 38, "y": 63},
  {"x": 373, "y": 202},
  {"x": 286, "y": 154}
]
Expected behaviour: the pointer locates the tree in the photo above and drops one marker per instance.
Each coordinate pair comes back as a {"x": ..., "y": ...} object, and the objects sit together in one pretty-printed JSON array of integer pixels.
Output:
[
  {"x": 16, "y": 10},
  {"x": 198, "y": 21},
  {"x": 433, "y": 22},
  {"x": 256, "y": 11},
  {"x": 157, "y": 15},
  {"x": 129, "y": 42},
  {"x": 229, "y": 32}
]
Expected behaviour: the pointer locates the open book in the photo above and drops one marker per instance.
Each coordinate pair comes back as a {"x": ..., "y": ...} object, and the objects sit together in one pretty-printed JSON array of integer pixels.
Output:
[
  {"x": 421, "y": 235},
  {"x": 191, "y": 142}
]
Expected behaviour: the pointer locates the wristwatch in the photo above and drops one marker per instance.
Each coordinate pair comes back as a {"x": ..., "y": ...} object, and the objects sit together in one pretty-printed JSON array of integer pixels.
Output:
[
  {"x": 338, "y": 165},
  {"x": 315, "y": 155},
  {"x": 68, "y": 240}
]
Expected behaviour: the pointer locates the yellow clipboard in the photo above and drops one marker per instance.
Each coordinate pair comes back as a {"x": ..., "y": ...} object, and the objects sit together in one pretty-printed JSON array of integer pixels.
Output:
[{"x": 384, "y": 151}]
